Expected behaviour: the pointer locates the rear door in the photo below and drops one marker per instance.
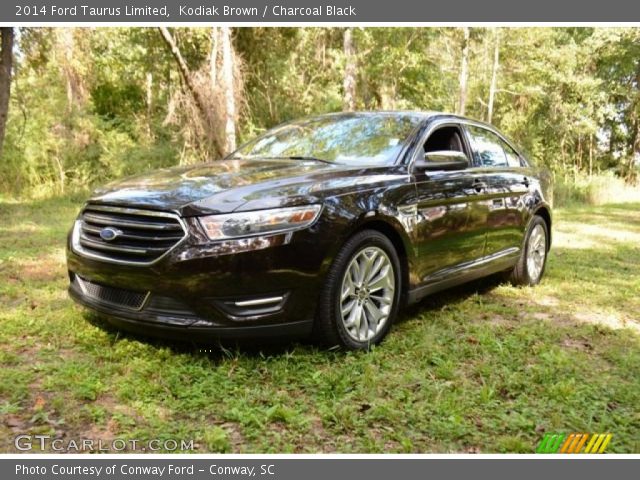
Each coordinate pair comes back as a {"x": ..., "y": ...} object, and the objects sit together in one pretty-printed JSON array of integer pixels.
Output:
[{"x": 502, "y": 170}]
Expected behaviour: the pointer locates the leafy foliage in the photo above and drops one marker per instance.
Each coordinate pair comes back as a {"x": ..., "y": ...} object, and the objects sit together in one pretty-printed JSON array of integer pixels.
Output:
[{"x": 89, "y": 105}]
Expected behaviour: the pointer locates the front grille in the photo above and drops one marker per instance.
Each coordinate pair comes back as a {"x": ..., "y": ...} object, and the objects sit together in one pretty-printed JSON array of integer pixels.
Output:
[
  {"x": 118, "y": 297},
  {"x": 126, "y": 235}
]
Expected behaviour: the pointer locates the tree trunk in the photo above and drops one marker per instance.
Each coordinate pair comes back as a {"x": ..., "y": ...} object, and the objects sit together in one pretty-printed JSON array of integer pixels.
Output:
[
  {"x": 635, "y": 136},
  {"x": 6, "y": 65},
  {"x": 66, "y": 45},
  {"x": 350, "y": 70},
  {"x": 149, "y": 87},
  {"x": 464, "y": 66},
  {"x": 229, "y": 90},
  {"x": 634, "y": 147},
  {"x": 590, "y": 155},
  {"x": 494, "y": 74},
  {"x": 184, "y": 71},
  {"x": 213, "y": 58},
  {"x": 580, "y": 152}
]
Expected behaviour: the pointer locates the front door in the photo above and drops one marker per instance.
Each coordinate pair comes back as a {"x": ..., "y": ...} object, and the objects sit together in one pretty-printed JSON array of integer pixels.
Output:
[{"x": 452, "y": 213}]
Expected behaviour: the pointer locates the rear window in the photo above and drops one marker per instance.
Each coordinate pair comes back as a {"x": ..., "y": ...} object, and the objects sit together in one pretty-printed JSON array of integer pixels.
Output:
[{"x": 487, "y": 148}]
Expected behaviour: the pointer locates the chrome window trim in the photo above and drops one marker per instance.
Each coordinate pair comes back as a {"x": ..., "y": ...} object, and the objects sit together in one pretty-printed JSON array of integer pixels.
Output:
[
  {"x": 75, "y": 235},
  {"x": 461, "y": 123},
  {"x": 501, "y": 137}
]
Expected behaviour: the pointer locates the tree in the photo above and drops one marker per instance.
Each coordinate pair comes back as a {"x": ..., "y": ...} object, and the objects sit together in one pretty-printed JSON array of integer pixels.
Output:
[
  {"x": 89, "y": 105},
  {"x": 350, "y": 69},
  {"x": 185, "y": 72},
  {"x": 6, "y": 67},
  {"x": 213, "y": 92},
  {"x": 69, "y": 64},
  {"x": 228, "y": 86},
  {"x": 494, "y": 74},
  {"x": 464, "y": 62}
]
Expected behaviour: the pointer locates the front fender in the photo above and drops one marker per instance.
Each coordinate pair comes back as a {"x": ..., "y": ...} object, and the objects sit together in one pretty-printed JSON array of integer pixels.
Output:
[{"x": 374, "y": 209}]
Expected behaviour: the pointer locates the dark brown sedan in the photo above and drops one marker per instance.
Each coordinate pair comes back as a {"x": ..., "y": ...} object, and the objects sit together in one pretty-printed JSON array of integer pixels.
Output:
[{"x": 324, "y": 226}]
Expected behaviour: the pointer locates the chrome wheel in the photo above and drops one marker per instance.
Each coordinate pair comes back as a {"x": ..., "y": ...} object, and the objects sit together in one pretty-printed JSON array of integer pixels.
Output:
[
  {"x": 367, "y": 293},
  {"x": 536, "y": 252}
]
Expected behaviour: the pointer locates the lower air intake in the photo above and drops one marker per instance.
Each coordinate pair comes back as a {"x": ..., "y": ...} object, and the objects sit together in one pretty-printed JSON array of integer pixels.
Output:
[{"x": 110, "y": 295}]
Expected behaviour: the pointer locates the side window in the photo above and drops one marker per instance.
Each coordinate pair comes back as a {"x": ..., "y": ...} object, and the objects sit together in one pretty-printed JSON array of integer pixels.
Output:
[
  {"x": 487, "y": 148},
  {"x": 513, "y": 159},
  {"x": 445, "y": 138}
]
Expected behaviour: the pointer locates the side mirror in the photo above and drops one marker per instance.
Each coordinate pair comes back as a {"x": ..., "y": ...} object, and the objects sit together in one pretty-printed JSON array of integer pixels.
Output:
[{"x": 443, "y": 160}]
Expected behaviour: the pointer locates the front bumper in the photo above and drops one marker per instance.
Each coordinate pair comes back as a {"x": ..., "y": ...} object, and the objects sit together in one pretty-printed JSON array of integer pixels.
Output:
[
  {"x": 202, "y": 292},
  {"x": 163, "y": 326}
]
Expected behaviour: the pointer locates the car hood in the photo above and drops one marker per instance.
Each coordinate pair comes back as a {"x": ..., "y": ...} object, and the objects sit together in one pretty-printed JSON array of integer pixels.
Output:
[{"x": 232, "y": 185}]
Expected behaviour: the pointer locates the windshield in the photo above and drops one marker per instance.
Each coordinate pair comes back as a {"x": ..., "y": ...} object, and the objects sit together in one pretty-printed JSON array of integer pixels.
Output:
[{"x": 367, "y": 139}]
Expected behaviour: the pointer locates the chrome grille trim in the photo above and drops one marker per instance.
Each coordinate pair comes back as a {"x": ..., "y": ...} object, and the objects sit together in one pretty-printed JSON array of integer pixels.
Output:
[
  {"x": 145, "y": 236},
  {"x": 111, "y": 222}
]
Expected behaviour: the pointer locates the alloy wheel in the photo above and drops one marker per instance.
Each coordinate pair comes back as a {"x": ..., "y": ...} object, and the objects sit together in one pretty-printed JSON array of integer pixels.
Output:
[
  {"x": 536, "y": 252},
  {"x": 367, "y": 293}
]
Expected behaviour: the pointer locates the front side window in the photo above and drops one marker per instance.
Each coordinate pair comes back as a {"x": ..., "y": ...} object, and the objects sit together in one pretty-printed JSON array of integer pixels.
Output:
[
  {"x": 445, "y": 138},
  {"x": 358, "y": 139},
  {"x": 487, "y": 148}
]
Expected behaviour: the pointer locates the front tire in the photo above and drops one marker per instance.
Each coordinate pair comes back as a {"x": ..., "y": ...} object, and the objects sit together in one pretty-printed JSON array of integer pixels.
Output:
[
  {"x": 361, "y": 296},
  {"x": 533, "y": 259}
]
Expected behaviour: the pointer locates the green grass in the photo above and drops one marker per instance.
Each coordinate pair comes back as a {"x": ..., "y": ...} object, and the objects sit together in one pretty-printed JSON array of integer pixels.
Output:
[{"x": 481, "y": 368}]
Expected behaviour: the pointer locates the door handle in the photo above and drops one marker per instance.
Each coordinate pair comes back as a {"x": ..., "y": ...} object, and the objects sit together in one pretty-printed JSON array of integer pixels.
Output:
[
  {"x": 525, "y": 181},
  {"x": 478, "y": 186}
]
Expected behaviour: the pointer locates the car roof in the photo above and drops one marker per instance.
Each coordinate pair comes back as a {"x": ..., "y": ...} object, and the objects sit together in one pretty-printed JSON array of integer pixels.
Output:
[{"x": 419, "y": 114}]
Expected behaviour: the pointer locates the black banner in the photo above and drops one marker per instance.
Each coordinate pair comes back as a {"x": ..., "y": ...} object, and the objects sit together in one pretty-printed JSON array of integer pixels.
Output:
[
  {"x": 315, "y": 468},
  {"x": 286, "y": 11}
]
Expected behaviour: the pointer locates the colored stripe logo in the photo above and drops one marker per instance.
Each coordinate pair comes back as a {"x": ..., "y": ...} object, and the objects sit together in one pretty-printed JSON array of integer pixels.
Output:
[{"x": 574, "y": 443}]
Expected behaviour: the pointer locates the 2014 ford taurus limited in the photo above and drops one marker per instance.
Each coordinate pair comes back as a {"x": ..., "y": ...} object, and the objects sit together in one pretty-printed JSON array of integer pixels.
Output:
[{"x": 324, "y": 226}]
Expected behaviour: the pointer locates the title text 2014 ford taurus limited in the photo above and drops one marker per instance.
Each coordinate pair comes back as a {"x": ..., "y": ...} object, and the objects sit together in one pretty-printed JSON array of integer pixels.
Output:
[{"x": 322, "y": 226}]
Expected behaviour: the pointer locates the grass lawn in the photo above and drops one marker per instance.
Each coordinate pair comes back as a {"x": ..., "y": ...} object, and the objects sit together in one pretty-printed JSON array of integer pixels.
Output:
[{"x": 481, "y": 368}]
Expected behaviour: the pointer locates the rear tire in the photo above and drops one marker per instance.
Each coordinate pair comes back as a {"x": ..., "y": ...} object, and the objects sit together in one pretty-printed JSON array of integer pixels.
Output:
[
  {"x": 360, "y": 298},
  {"x": 533, "y": 258}
]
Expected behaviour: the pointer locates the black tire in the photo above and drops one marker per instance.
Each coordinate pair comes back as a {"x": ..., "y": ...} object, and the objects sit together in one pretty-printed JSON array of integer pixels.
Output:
[
  {"x": 329, "y": 328},
  {"x": 520, "y": 275}
]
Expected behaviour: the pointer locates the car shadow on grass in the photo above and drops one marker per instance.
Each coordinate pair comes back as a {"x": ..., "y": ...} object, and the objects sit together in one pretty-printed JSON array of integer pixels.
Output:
[
  {"x": 259, "y": 347},
  {"x": 451, "y": 296},
  {"x": 215, "y": 350}
]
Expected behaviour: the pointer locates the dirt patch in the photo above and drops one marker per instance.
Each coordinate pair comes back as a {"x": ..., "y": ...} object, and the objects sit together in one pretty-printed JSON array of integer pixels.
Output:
[
  {"x": 321, "y": 436},
  {"x": 45, "y": 268},
  {"x": 104, "y": 435},
  {"x": 380, "y": 435},
  {"x": 611, "y": 320},
  {"x": 15, "y": 423},
  {"x": 577, "y": 344},
  {"x": 40, "y": 272},
  {"x": 546, "y": 301},
  {"x": 497, "y": 320},
  {"x": 111, "y": 405},
  {"x": 235, "y": 435}
]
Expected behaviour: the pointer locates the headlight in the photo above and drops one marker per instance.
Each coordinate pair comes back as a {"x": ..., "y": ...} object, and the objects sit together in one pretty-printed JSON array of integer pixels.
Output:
[{"x": 259, "y": 222}]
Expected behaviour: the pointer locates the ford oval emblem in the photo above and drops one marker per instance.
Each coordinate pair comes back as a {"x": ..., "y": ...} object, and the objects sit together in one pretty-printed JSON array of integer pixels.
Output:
[{"x": 109, "y": 234}]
